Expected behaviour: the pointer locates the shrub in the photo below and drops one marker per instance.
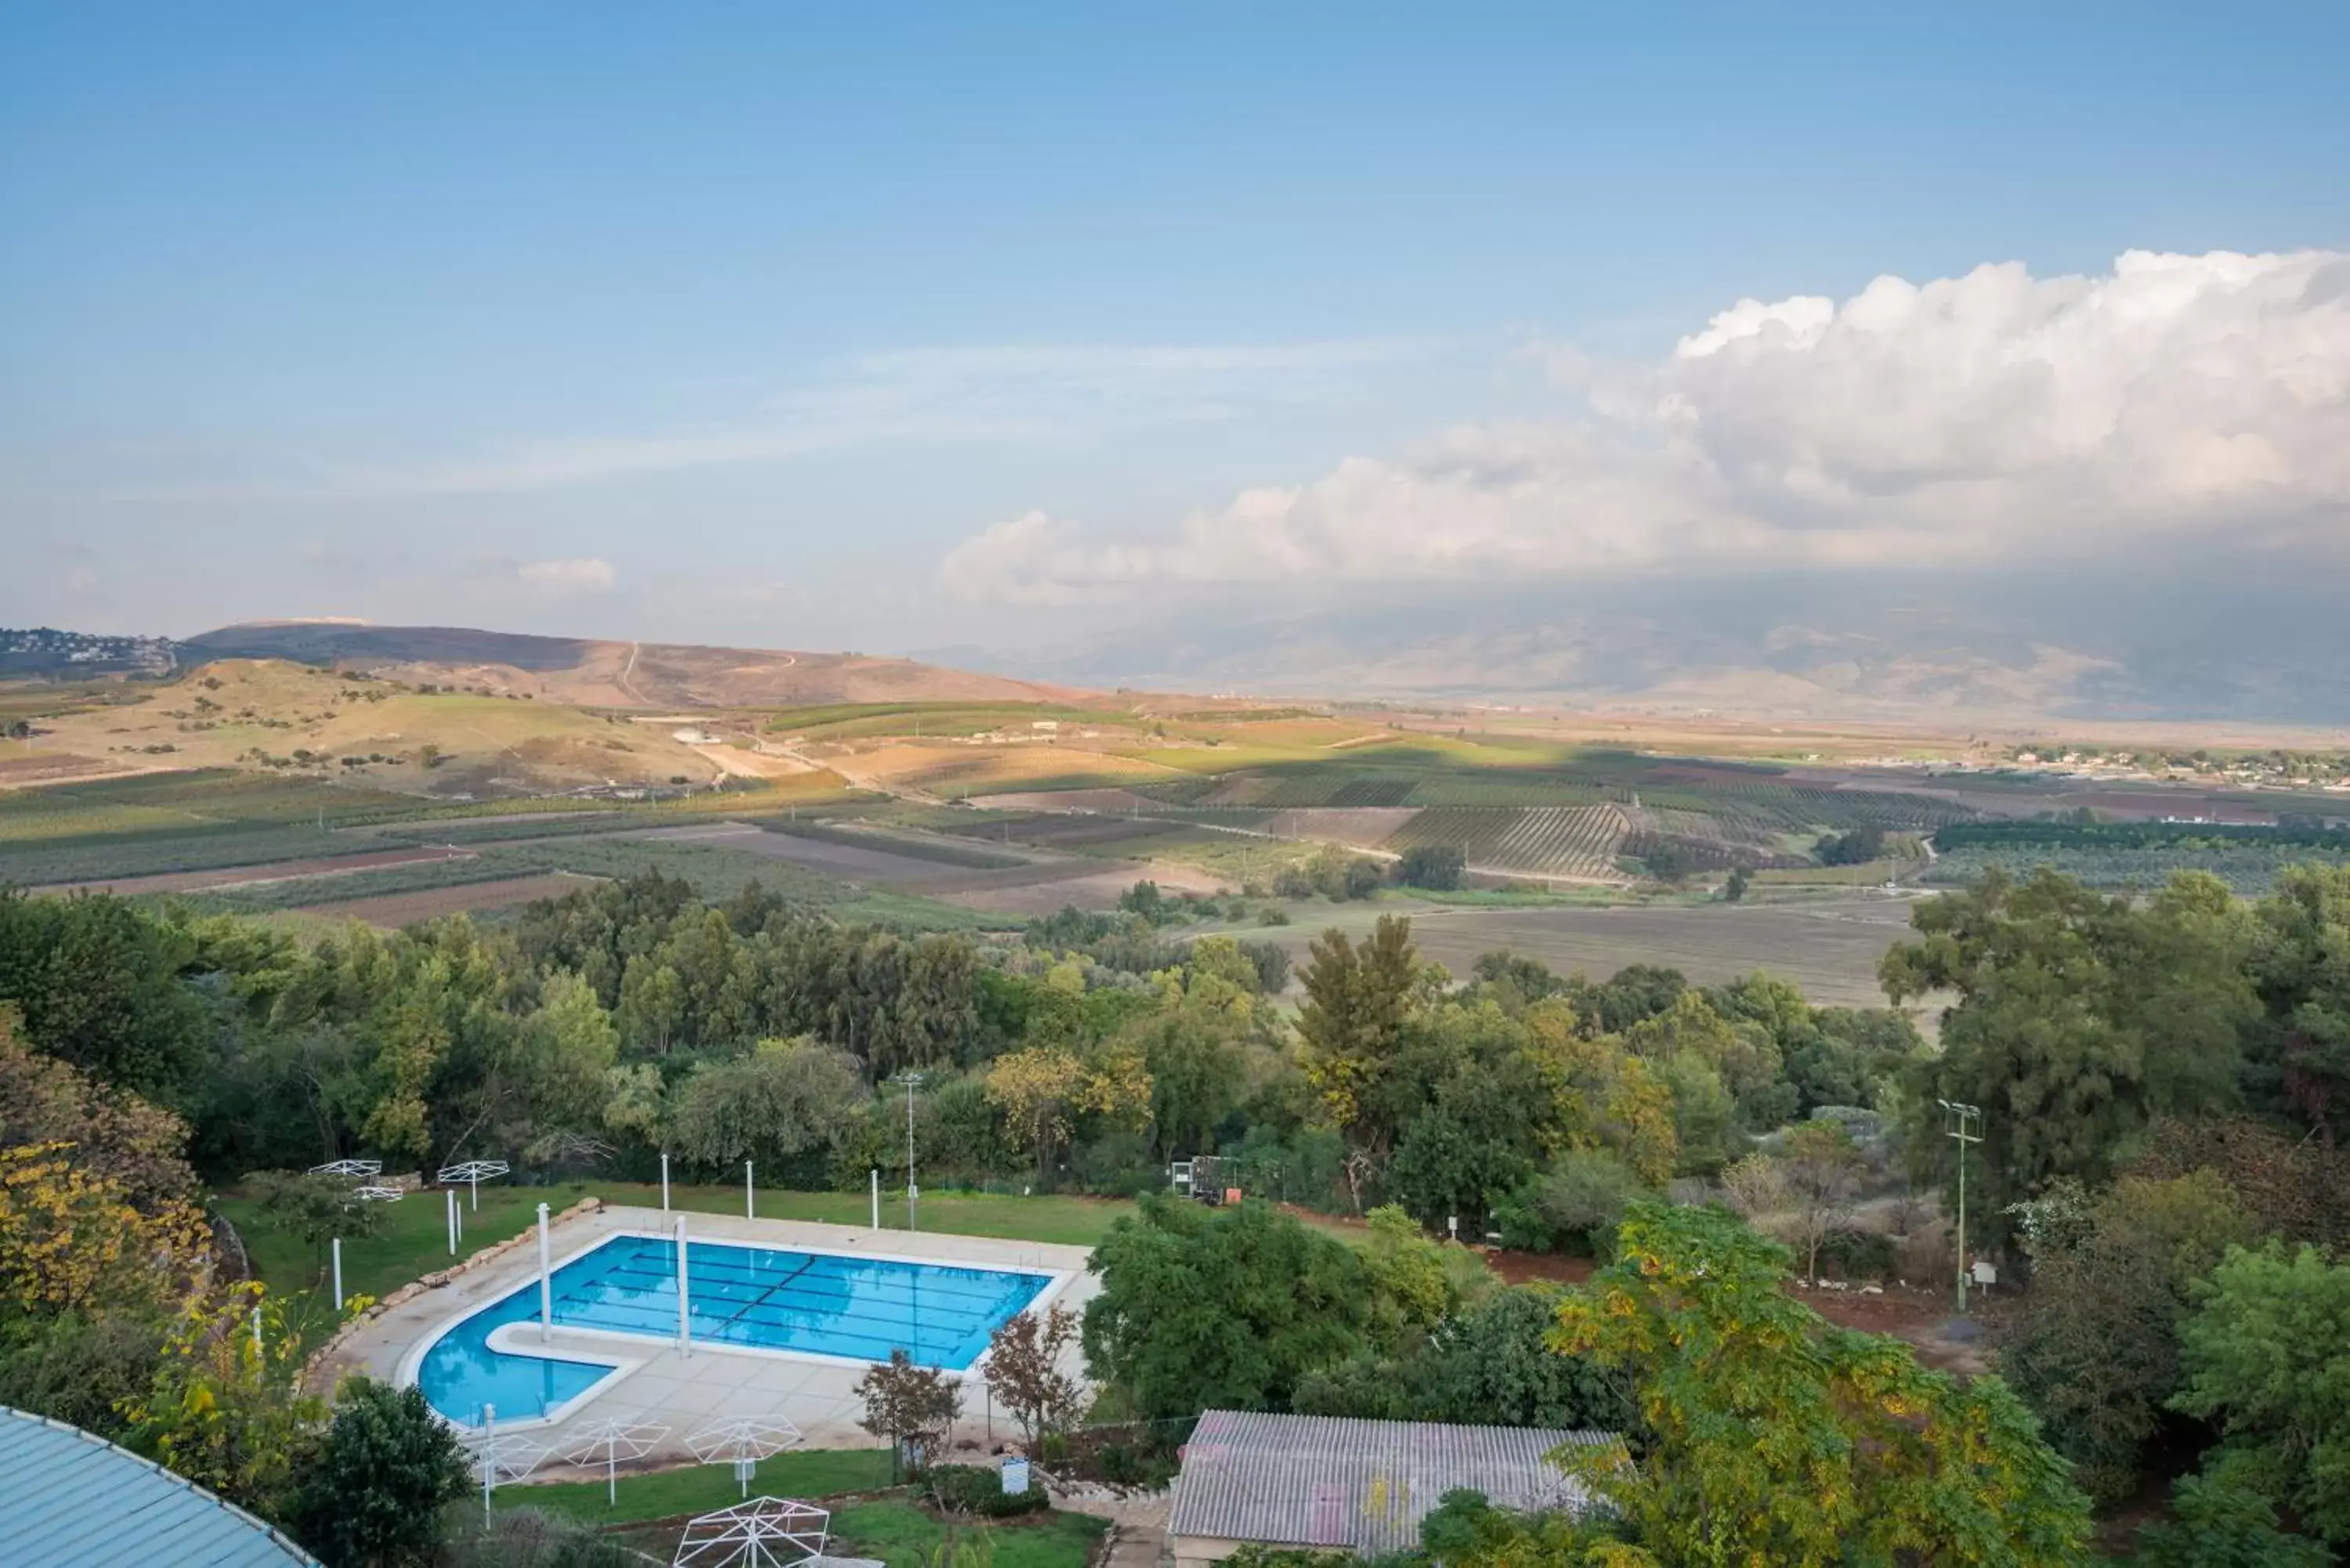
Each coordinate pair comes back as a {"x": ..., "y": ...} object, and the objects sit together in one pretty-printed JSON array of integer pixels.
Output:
[
  {"x": 1849, "y": 1253},
  {"x": 977, "y": 1490},
  {"x": 1575, "y": 1207}
]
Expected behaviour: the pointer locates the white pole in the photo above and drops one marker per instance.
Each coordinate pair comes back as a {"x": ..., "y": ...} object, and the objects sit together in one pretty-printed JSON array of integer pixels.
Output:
[
  {"x": 489, "y": 1456},
  {"x": 451, "y": 1194},
  {"x": 611, "y": 1472},
  {"x": 477, "y": 1192},
  {"x": 750, "y": 1206},
  {"x": 339, "y": 1274},
  {"x": 664, "y": 1181},
  {"x": 877, "y": 1198},
  {"x": 256, "y": 1333},
  {"x": 684, "y": 1321},
  {"x": 546, "y": 1283},
  {"x": 460, "y": 1210}
]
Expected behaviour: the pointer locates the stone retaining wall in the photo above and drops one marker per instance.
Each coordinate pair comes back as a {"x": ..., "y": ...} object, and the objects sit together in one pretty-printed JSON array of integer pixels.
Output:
[{"x": 321, "y": 1373}]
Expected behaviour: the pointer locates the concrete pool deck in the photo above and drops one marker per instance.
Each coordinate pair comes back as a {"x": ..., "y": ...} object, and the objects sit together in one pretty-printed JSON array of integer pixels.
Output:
[{"x": 715, "y": 1382}]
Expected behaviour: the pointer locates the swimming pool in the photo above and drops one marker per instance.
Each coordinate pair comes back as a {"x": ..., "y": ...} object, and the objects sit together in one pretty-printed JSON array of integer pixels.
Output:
[{"x": 754, "y": 1298}]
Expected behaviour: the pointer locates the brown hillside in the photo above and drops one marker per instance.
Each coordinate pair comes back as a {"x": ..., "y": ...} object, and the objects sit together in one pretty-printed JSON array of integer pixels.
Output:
[{"x": 619, "y": 674}]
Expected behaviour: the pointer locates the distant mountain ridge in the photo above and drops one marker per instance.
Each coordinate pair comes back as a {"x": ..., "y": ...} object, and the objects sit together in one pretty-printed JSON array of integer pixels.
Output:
[
  {"x": 607, "y": 673},
  {"x": 1902, "y": 649}
]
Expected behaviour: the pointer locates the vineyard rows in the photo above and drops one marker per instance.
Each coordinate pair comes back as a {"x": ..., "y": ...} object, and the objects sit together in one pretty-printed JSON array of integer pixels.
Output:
[{"x": 1553, "y": 841}]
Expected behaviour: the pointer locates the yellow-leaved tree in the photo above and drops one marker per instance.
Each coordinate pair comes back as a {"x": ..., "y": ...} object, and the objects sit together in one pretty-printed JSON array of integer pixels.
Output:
[{"x": 72, "y": 1240}]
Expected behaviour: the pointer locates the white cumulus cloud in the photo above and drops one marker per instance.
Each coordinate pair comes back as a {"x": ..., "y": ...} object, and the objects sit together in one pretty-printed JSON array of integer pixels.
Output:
[
  {"x": 1989, "y": 417},
  {"x": 501, "y": 578},
  {"x": 569, "y": 577}
]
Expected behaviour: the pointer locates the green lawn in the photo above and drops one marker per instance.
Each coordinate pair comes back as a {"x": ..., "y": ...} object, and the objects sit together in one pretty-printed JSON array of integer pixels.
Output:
[
  {"x": 700, "y": 1489},
  {"x": 412, "y": 1240},
  {"x": 892, "y": 1527},
  {"x": 903, "y": 1536}
]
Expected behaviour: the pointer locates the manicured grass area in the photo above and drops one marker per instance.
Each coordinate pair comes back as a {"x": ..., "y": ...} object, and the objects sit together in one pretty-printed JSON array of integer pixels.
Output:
[
  {"x": 904, "y": 1536},
  {"x": 412, "y": 1241},
  {"x": 699, "y": 1489},
  {"x": 1073, "y": 1221},
  {"x": 891, "y": 1527}
]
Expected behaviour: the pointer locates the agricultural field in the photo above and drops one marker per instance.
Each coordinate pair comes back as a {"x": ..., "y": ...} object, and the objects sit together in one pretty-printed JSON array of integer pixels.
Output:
[
  {"x": 1574, "y": 842},
  {"x": 1829, "y": 946},
  {"x": 241, "y": 876},
  {"x": 392, "y": 910},
  {"x": 2249, "y": 870}
]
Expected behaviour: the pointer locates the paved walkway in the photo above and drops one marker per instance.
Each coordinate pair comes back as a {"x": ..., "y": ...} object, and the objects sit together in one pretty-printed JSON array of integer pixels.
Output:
[{"x": 685, "y": 1392}]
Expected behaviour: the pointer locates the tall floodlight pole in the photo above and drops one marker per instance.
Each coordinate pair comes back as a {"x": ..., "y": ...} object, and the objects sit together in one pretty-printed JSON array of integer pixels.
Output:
[
  {"x": 546, "y": 1282},
  {"x": 685, "y": 1318},
  {"x": 664, "y": 1181},
  {"x": 489, "y": 1458},
  {"x": 913, "y": 1081},
  {"x": 750, "y": 1203},
  {"x": 339, "y": 1274},
  {"x": 451, "y": 1207},
  {"x": 1963, "y": 1123}
]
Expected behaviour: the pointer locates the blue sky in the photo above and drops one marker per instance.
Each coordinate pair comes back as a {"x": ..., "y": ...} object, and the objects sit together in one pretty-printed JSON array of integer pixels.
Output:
[{"x": 738, "y": 323}]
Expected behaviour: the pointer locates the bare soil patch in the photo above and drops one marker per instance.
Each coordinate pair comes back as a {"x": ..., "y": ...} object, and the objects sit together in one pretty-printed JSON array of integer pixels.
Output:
[{"x": 49, "y": 767}]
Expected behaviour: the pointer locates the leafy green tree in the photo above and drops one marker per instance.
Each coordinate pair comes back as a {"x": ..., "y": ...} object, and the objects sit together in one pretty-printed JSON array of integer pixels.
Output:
[
  {"x": 1443, "y": 1170},
  {"x": 225, "y": 1412},
  {"x": 372, "y": 1495},
  {"x": 1220, "y": 1308},
  {"x": 1352, "y": 1028},
  {"x": 1770, "y": 1436},
  {"x": 2267, "y": 1356},
  {"x": 137, "y": 1148},
  {"x": 1435, "y": 866},
  {"x": 2216, "y": 1522},
  {"x": 1024, "y": 1372},
  {"x": 1857, "y": 848},
  {"x": 785, "y": 1099},
  {"x": 1487, "y": 1364},
  {"x": 316, "y": 1209},
  {"x": 566, "y": 1049},
  {"x": 97, "y": 983},
  {"x": 2080, "y": 1019},
  {"x": 1196, "y": 1057},
  {"x": 2298, "y": 1057},
  {"x": 914, "y": 1407},
  {"x": 1575, "y": 1206},
  {"x": 652, "y": 1015},
  {"x": 2095, "y": 1348}
]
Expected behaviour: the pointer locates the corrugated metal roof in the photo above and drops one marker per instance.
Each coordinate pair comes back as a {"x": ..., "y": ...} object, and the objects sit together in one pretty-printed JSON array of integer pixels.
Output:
[
  {"x": 69, "y": 1499},
  {"x": 1327, "y": 1481}
]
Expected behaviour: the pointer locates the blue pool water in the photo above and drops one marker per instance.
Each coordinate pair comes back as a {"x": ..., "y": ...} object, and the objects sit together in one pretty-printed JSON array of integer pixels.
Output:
[{"x": 817, "y": 1303}]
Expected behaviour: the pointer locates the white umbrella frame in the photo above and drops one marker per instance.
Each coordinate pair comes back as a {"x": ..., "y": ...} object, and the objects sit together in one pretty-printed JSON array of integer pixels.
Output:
[
  {"x": 763, "y": 1532},
  {"x": 743, "y": 1442},
  {"x": 612, "y": 1441}
]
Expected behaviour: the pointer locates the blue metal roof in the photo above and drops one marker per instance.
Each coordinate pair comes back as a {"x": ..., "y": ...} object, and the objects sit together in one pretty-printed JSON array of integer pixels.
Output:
[{"x": 69, "y": 1499}]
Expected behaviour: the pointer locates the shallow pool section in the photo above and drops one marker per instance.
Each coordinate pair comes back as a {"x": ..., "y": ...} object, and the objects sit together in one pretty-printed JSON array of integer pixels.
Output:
[{"x": 757, "y": 1298}]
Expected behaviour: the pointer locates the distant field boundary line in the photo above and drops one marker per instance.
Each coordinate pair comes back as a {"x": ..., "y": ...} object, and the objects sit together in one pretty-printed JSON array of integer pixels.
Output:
[{"x": 440, "y": 856}]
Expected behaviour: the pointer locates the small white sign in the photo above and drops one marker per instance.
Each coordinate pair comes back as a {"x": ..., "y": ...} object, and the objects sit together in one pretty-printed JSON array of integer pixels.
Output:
[{"x": 1015, "y": 1477}]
